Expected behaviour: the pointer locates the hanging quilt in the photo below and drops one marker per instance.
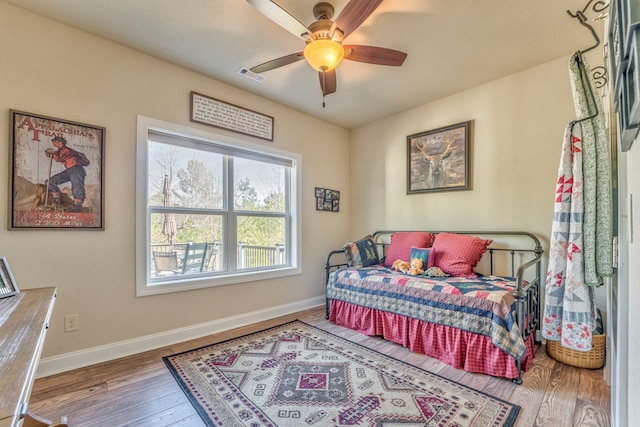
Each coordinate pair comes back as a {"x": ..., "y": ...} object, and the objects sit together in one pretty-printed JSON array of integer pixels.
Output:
[
  {"x": 568, "y": 301},
  {"x": 580, "y": 252}
]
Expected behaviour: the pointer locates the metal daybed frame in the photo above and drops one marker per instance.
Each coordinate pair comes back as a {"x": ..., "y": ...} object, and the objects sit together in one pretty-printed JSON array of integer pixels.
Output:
[{"x": 526, "y": 292}]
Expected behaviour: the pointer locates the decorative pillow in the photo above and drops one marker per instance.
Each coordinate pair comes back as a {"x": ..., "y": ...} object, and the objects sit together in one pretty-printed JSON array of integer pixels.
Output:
[
  {"x": 457, "y": 254},
  {"x": 361, "y": 253},
  {"x": 421, "y": 253},
  {"x": 401, "y": 243}
]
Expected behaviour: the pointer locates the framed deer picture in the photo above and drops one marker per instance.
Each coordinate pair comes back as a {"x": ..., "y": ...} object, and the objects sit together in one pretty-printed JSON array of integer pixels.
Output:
[{"x": 439, "y": 159}]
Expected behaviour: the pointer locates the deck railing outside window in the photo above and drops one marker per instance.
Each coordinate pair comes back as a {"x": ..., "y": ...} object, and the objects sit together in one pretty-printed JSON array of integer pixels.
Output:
[{"x": 249, "y": 256}]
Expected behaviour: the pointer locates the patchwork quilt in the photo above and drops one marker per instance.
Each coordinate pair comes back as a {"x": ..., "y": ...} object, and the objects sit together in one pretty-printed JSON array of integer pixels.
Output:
[{"x": 484, "y": 305}]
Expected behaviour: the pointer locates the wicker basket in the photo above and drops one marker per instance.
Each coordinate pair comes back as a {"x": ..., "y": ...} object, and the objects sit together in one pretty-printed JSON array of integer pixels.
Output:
[{"x": 592, "y": 359}]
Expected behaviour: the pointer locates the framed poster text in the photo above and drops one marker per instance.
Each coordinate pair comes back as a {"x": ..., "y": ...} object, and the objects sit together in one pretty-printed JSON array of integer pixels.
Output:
[
  {"x": 220, "y": 114},
  {"x": 56, "y": 174}
]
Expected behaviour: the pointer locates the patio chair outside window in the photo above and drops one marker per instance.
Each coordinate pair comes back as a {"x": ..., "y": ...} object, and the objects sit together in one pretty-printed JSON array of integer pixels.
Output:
[
  {"x": 210, "y": 257},
  {"x": 166, "y": 262},
  {"x": 194, "y": 257}
]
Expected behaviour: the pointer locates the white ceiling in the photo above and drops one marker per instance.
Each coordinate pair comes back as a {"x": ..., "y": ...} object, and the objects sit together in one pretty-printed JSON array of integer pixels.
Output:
[{"x": 452, "y": 45}]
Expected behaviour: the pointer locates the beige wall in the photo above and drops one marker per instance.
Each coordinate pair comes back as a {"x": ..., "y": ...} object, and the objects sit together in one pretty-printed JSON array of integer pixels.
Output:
[
  {"x": 518, "y": 127},
  {"x": 53, "y": 70}
]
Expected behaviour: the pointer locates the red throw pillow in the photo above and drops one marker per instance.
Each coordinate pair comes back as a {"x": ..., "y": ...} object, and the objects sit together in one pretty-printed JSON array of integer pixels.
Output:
[
  {"x": 401, "y": 243},
  {"x": 457, "y": 254}
]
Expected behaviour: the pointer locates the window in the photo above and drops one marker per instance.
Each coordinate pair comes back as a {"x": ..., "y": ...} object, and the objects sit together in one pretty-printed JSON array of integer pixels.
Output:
[{"x": 212, "y": 210}]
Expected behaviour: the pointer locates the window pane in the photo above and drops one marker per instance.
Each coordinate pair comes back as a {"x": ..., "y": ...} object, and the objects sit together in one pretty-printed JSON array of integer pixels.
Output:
[
  {"x": 258, "y": 186},
  {"x": 171, "y": 234},
  {"x": 226, "y": 197},
  {"x": 261, "y": 241},
  {"x": 184, "y": 177}
]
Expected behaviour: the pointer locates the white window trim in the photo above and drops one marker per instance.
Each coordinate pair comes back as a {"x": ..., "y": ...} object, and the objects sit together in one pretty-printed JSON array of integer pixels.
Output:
[{"x": 144, "y": 288}]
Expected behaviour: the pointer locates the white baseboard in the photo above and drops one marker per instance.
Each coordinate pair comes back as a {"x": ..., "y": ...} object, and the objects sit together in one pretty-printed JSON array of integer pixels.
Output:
[{"x": 90, "y": 356}]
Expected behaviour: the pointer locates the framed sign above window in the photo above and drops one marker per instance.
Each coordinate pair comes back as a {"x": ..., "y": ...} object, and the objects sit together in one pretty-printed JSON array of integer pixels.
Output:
[{"x": 223, "y": 115}]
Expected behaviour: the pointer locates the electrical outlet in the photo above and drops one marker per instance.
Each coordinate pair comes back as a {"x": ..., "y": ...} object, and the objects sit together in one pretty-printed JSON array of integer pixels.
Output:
[{"x": 71, "y": 323}]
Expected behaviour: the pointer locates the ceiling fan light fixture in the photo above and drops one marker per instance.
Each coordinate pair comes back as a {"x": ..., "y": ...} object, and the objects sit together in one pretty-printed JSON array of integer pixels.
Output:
[{"x": 324, "y": 54}]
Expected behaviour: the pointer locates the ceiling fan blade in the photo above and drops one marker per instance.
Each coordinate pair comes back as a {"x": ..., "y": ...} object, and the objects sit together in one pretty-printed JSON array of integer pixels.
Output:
[
  {"x": 277, "y": 63},
  {"x": 328, "y": 81},
  {"x": 353, "y": 15},
  {"x": 374, "y": 55},
  {"x": 280, "y": 17}
]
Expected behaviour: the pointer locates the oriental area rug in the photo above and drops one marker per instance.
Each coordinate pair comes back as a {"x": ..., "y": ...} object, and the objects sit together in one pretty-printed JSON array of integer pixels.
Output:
[{"x": 298, "y": 375}]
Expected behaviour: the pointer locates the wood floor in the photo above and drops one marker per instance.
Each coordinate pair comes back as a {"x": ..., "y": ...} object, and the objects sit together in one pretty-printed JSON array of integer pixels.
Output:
[{"x": 139, "y": 390}]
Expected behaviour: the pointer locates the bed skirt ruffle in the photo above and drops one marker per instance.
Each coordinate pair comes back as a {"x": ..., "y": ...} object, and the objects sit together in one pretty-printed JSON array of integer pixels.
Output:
[{"x": 455, "y": 347}]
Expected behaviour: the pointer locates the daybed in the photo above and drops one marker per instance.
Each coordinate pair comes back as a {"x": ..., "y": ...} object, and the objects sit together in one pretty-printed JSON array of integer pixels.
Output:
[{"x": 479, "y": 323}]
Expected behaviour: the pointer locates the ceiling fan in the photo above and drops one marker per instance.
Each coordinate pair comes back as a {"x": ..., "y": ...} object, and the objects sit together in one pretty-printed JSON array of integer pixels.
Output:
[{"x": 324, "y": 49}]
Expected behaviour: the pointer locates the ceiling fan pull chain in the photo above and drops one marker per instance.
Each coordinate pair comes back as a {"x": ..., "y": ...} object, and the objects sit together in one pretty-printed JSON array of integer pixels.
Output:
[{"x": 324, "y": 83}]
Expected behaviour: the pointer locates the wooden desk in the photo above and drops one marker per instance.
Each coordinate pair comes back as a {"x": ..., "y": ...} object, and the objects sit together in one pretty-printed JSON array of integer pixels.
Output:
[{"x": 24, "y": 319}]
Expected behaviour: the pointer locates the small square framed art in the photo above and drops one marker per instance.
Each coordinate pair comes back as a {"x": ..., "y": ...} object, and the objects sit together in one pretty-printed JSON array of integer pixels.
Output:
[{"x": 327, "y": 200}]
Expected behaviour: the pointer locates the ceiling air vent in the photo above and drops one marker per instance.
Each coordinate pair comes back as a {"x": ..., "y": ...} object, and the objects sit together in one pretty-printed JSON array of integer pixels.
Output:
[{"x": 244, "y": 71}]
